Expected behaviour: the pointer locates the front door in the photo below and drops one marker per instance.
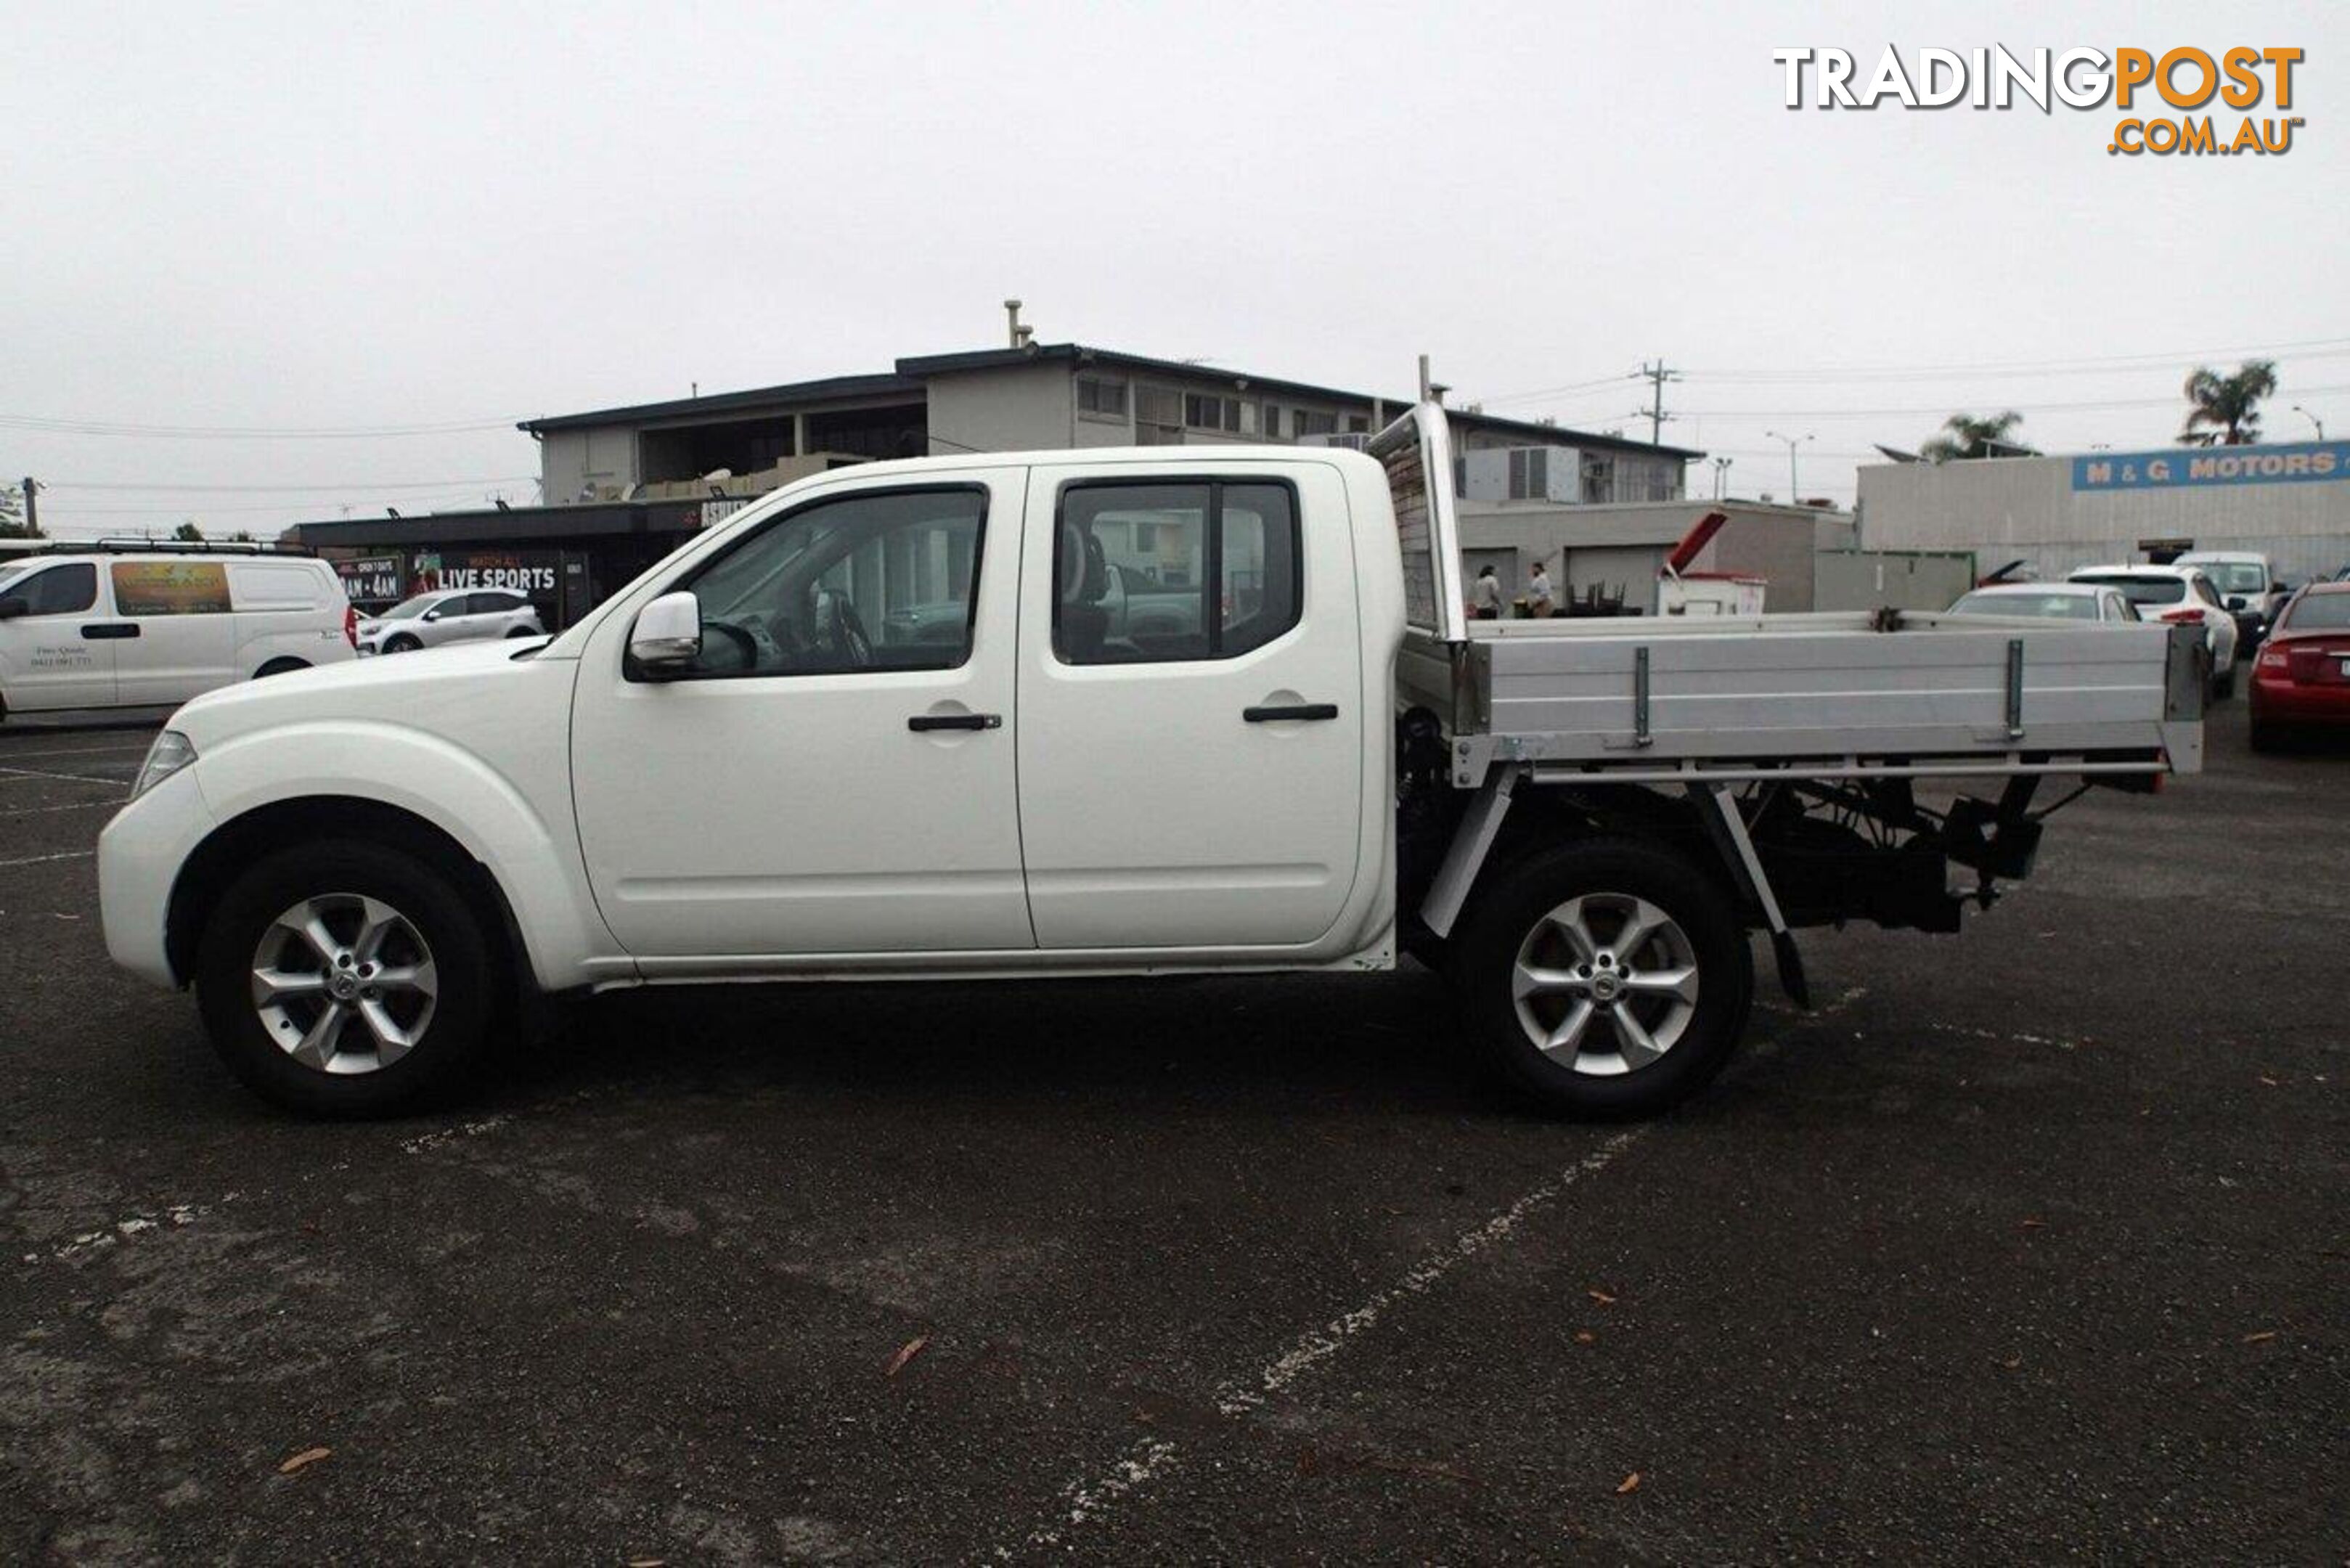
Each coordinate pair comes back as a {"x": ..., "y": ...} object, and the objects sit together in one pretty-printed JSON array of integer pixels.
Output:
[
  {"x": 1191, "y": 722},
  {"x": 833, "y": 773},
  {"x": 59, "y": 652}
]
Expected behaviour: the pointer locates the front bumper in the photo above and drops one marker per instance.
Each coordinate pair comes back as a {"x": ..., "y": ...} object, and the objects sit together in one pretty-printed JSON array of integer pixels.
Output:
[{"x": 139, "y": 859}]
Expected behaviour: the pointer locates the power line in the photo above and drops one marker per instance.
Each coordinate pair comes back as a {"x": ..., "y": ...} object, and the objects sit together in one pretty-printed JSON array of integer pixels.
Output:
[
  {"x": 2312, "y": 349},
  {"x": 2174, "y": 400},
  {"x": 48, "y": 425},
  {"x": 2019, "y": 367},
  {"x": 175, "y": 487}
]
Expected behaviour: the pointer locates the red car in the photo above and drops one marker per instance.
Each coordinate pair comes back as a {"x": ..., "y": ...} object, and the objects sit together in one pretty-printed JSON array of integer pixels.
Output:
[{"x": 2302, "y": 678}]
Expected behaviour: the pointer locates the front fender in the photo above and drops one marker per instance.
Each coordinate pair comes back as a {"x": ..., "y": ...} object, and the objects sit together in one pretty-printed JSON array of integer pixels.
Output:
[{"x": 515, "y": 820}]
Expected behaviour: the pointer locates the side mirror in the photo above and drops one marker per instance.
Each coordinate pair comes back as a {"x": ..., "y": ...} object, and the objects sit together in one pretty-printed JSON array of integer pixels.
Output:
[
  {"x": 10, "y": 609},
  {"x": 668, "y": 633},
  {"x": 432, "y": 614},
  {"x": 2235, "y": 601},
  {"x": 2279, "y": 588}
]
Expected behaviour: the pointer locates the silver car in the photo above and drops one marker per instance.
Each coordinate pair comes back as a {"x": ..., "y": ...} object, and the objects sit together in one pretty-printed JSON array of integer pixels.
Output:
[{"x": 452, "y": 615}]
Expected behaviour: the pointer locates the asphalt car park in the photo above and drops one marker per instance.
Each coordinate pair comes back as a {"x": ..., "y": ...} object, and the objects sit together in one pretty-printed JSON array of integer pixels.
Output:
[{"x": 2025, "y": 1241}]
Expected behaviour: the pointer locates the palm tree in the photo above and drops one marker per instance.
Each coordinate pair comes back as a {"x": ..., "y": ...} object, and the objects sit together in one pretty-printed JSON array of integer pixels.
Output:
[
  {"x": 1964, "y": 436},
  {"x": 2221, "y": 411}
]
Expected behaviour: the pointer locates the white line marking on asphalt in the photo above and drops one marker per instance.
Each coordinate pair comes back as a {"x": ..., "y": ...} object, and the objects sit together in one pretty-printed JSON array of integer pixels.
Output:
[
  {"x": 1235, "y": 1398},
  {"x": 122, "y": 1230},
  {"x": 1322, "y": 1344},
  {"x": 77, "y": 751},
  {"x": 70, "y": 805},
  {"x": 45, "y": 860},
  {"x": 1087, "y": 1499},
  {"x": 20, "y": 776},
  {"x": 450, "y": 1134}
]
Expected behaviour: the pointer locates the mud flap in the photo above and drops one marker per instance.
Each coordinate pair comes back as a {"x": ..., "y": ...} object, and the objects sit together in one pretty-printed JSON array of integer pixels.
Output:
[{"x": 1792, "y": 979}]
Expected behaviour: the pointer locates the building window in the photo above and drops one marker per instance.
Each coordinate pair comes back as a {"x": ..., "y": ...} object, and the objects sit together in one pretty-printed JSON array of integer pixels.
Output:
[
  {"x": 1273, "y": 421},
  {"x": 1100, "y": 398},
  {"x": 1157, "y": 417},
  {"x": 1314, "y": 423},
  {"x": 1203, "y": 412},
  {"x": 1359, "y": 424},
  {"x": 1170, "y": 572}
]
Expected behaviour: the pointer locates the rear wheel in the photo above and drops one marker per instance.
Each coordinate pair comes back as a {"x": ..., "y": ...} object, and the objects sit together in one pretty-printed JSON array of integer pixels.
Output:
[
  {"x": 280, "y": 666},
  {"x": 345, "y": 978},
  {"x": 2224, "y": 686},
  {"x": 1606, "y": 979}
]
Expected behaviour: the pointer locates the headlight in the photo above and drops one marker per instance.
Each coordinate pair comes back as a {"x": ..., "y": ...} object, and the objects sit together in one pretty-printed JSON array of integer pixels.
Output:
[{"x": 170, "y": 753}]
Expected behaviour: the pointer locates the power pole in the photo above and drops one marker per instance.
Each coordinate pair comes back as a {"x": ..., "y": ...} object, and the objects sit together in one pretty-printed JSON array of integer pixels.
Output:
[
  {"x": 32, "y": 507},
  {"x": 1658, "y": 374}
]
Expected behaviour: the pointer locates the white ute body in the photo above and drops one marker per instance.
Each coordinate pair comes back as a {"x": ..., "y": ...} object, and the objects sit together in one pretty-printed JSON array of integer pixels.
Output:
[{"x": 1129, "y": 809}]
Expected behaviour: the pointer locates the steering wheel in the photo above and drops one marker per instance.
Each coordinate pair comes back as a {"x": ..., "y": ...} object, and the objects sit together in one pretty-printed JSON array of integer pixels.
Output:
[
  {"x": 744, "y": 642},
  {"x": 847, "y": 630}
]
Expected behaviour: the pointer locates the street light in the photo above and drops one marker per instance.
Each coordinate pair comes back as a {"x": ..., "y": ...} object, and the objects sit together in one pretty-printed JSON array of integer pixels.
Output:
[
  {"x": 2312, "y": 418},
  {"x": 1795, "y": 494},
  {"x": 1720, "y": 475}
]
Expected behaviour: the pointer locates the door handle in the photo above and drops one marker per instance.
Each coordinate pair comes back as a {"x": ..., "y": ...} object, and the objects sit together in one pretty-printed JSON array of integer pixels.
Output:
[
  {"x": 106, "y": 629},
  {"x": 921, "y": 722},
  {"x": 1293, "y": 711}
]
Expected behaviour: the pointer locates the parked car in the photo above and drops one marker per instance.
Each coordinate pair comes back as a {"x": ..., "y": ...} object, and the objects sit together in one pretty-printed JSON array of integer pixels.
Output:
[
  {"x": 452, "y": 614},
  {"x": 370, "y": 875},
  {"x": 2178, "y": 596},
  {"x": 2050, "y": 601},
  {"x": 2301, "y": 682},
  {"x": 152, "y": 627},
  {"x": 2247, "y": 586}
]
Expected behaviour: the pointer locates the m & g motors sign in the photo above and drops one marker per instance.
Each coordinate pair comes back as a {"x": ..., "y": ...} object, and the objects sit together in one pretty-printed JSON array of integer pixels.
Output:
[{"x": 2295, "y": 462}]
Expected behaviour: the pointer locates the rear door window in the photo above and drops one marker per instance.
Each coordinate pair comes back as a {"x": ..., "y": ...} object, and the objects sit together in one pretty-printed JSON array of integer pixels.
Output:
[{"x": 1172, "y": 572}]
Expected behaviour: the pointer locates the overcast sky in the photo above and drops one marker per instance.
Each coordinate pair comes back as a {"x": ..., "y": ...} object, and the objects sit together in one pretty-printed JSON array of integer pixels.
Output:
[{"x": 316, "y": 217}]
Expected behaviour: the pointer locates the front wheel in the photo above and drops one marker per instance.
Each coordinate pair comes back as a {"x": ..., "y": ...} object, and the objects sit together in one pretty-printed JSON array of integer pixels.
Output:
[
  {"x": 345, "y": 978},
  {"x": 403, "y": 643},
  {"x": 1607, "y": 977}
]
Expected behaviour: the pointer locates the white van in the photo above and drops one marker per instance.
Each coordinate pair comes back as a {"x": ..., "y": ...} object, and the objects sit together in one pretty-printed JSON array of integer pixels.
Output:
[{"x": 151, "y": 627}]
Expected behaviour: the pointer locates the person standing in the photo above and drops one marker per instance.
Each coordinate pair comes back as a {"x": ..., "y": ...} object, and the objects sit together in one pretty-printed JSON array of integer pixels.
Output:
[
  {"x": 1485, "y": 596},
  {"x": 1539, "y": 602}
]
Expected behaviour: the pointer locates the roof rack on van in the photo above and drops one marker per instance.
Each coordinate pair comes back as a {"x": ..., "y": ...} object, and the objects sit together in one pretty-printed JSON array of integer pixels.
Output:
[{"x": 125, "y": 546}]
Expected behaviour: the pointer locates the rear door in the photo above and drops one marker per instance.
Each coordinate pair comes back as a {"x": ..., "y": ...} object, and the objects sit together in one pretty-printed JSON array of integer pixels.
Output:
[
  {"x": 60, "y": 653},
  {"x": 1191, "y": 778},
  {"x": 180, "y": 635}
]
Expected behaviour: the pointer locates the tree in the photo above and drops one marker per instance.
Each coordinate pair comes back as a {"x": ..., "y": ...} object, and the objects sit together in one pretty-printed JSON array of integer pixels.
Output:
[
  {"x": 187, "y": 532},
  {"x": 2221, "y": 409},
  {"x": 11, "y": 513},
  {"x": 1966, "y": 436}
]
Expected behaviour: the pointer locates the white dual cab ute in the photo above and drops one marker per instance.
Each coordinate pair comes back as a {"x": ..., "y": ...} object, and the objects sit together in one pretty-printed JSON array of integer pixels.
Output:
[{"x": 882, "y": 725}]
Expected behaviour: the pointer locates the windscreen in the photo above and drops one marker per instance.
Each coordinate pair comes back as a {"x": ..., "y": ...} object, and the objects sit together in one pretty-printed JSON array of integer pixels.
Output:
[
  {"x": 2051, "y": 606},
  {"x": 2142, "y": 590},
  {"x": 2236, "y": 577},
  {"x": 2318, "y": 612}
]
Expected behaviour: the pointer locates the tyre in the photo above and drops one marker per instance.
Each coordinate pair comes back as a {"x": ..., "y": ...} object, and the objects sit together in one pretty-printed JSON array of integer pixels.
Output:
[
  {"x": 2224, "y": 686},
  {"x": 1607, "y": 977},
  {"x": 523, "y": 632},
  {"x": 347, "y": 978},
  {"x": 280, "y": 666},
  {"x": 2267, "y": 738},
  {"x": 403, "y": 643}
]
